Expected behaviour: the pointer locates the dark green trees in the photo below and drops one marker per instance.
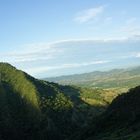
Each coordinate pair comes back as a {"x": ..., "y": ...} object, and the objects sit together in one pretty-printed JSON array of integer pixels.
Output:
[{"x": 34, "y": 109}]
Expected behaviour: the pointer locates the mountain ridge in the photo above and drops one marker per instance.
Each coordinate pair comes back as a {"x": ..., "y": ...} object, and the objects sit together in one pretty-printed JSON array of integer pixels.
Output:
[
  {"x": 36, "y": 109},
  {"x": 127, "y": 78}
]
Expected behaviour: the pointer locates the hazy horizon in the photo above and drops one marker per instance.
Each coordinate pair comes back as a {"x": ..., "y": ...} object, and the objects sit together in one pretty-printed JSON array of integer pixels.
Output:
[{"x": 105, "y": 70}]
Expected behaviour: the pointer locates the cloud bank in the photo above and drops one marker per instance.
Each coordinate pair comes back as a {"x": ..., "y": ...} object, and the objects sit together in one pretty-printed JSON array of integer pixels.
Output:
[
  {"x": 73, "y": 55},
  {"x": 63, "y": 66}
]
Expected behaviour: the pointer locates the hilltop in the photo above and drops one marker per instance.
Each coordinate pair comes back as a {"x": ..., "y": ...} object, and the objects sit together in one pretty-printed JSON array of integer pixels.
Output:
[{"x": 36, "y": 109}]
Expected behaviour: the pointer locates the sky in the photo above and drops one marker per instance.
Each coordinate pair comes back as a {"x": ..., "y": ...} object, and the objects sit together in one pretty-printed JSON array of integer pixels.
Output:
[{"x": 60, "y": 37}]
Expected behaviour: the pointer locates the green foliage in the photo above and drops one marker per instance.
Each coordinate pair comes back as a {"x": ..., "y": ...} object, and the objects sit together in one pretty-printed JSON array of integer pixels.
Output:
[
  {"x": 120, "y": 121},
  {"x": 39, "y": 110},
  {"x": 35, "y": 109},
  {"x": 58, "y": 103},
  {"x": 19, "y": 83}
]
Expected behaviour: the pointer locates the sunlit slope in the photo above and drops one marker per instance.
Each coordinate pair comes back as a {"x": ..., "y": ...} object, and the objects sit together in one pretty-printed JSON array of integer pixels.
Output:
[
  {"x": 27, "y": 104},
  {"x": 19, "y": 83},
  {"x": 35, "y": 109}
]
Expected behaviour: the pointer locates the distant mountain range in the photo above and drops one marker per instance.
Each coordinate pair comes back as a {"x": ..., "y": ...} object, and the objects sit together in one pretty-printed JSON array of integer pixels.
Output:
[{"x": 116, "y": 78}]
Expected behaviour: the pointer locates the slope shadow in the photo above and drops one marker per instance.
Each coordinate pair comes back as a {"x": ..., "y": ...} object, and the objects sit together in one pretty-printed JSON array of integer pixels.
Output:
[{"x": 18, "y": 117}]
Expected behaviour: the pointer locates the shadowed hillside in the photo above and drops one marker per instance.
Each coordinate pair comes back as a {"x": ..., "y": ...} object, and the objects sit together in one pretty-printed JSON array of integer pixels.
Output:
[
  {"x": 35, "y": 109},
  {"x": 121, "y": 121}
]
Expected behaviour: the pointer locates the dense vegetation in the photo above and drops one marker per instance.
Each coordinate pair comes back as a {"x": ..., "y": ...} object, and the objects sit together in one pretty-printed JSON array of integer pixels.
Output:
[
  {"x": 39, "y": 110},
  {"x": 121, "y": 121},
  {"x": 35, "y": 109}
]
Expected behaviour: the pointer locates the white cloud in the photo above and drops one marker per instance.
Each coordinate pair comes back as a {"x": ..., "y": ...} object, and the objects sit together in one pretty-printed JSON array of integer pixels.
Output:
[
  {"x": 31, "y": 52},
  {"x": 55, "y": 43},
  {"x": 38, "y": 70},
  {"x": 48, "y": 51},
  {"x": 133, "y": 55},
  {"x": 89, "y": 14},
  {"x": 138, "y": 55},
  {"x": 60, "y": 55}
]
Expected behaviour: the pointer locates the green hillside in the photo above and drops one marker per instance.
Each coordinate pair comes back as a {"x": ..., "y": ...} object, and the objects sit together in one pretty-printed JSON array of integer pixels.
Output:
[
  {"x": 117, "y": 78},
  {"x": 32, "y": 109},
  {"x": 121, "y": 121},
  {"x": 35, "y": 109}
]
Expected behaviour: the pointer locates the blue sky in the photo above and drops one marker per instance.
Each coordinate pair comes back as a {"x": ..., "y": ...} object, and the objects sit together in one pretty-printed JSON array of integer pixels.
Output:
[{"x": 60, "y": 37}]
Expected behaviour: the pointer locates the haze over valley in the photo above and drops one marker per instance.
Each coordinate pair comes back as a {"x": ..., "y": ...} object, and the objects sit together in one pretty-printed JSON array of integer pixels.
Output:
[{"x": 70, "y": 70}]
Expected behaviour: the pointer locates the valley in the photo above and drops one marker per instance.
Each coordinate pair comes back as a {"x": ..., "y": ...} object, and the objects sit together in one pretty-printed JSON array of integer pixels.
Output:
[
  {"x": 37, "y": 109},
  {"x": 69, "y": 69}
]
